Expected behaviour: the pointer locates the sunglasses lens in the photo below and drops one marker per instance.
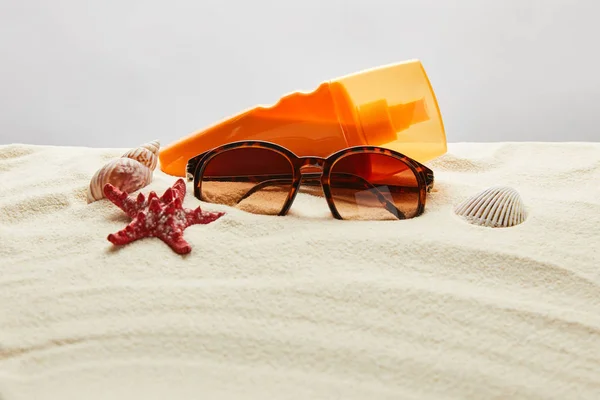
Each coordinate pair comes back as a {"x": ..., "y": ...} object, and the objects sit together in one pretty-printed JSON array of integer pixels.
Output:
[
  {"x": 367, "y": 186},
  {"x": 255, "y": 180}
]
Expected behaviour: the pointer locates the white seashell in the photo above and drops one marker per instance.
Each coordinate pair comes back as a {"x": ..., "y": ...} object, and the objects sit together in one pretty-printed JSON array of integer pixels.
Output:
[
  {"x": 125, "y": 173},
  {"x": 144, "y": 156},
  {"x": 496, "y": 207}
]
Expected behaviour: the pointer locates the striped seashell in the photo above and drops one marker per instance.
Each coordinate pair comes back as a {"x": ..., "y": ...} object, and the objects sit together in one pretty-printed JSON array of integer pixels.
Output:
[
  {"x": 153, "y": 146},
  {"x": 495, "y": 207},
  {"x": 127, "y": 174},
  {"x": 142, "y": 155},
  {"x": 147, "y": 154}
]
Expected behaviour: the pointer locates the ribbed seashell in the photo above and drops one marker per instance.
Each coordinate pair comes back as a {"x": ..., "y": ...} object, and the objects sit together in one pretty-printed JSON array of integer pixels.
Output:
[
  {"x": 144, "y": 156},
  {"x": 124, "y": 173},
  {"x": 153, "y": 146},
  {"x": 147, "y": 154},
  {"x": 129, "y": 173},
  {"x": 495, "y": 207}
]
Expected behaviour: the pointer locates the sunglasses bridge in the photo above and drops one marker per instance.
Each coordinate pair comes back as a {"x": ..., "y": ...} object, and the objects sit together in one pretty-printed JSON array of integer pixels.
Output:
[{"x": 311, "y": 168}]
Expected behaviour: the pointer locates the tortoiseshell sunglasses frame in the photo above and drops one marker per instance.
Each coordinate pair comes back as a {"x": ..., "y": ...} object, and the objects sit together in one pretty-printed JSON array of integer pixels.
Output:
[{"x": 196, "y": 165}]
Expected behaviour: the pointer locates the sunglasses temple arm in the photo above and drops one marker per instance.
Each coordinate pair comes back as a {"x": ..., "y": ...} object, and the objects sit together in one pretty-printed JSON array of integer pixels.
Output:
[
  {"x": 279, "y": 181},
  {"x": 264, "y": 184},
  {"x": 314, "y": 180},
  {"x": 384, "y": 202}
]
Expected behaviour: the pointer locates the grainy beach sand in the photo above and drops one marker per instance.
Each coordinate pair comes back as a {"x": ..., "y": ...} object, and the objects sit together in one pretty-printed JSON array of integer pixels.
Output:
[{"x": 304, "y": 306}]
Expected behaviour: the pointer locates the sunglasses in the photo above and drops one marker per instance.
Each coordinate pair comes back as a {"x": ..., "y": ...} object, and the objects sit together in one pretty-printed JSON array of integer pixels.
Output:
[{"x": 358, "y": 183}]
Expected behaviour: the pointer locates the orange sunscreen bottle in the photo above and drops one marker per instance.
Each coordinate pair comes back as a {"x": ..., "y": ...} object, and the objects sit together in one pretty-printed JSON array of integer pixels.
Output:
[{"x": 392, "y": 106}]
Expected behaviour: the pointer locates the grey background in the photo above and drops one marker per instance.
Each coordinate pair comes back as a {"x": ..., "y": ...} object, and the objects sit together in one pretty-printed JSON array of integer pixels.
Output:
[{"x": 118, "y": 73}]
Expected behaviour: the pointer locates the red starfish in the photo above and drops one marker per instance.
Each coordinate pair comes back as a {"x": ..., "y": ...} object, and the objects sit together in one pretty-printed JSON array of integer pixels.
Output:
[{"x": 162, "y": 217}]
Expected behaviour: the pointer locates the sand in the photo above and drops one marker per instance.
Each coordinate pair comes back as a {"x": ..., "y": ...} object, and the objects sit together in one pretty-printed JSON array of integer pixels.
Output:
[{"x": 304, "y": 306}]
